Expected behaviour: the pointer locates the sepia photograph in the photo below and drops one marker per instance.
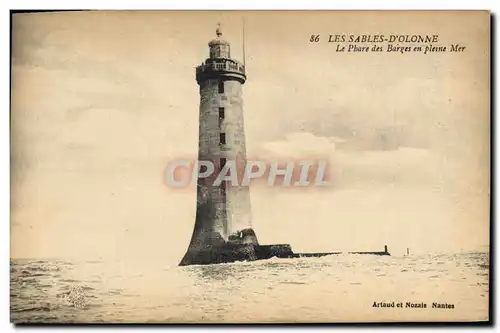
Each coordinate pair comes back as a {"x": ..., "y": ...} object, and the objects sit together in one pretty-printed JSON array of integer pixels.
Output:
[{"x": 230, "y": 166}]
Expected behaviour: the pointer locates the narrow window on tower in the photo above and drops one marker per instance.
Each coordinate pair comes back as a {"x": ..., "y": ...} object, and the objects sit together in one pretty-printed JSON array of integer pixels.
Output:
[
  {"x": 221, "y": 115},
  {"x": 221, "y": 86},
  {"x": 222, "y": 138}
]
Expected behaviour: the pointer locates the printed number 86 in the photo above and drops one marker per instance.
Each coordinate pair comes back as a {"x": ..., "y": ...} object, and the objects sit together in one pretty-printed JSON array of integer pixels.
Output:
[{"x": 314, "y": 38}]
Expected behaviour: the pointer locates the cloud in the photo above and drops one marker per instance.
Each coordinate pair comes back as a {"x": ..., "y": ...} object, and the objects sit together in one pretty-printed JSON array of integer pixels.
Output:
[
  {"x": 404, "y": 166},
  {"x": 298, "y": 145}
]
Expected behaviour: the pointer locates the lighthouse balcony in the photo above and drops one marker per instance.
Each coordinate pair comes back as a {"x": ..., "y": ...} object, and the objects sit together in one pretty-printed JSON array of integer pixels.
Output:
[{"x": 220, "y": 67}]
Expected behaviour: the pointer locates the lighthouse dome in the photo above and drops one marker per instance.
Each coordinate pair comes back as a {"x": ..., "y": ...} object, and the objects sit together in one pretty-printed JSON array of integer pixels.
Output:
[{"x": 218, "y": 41}]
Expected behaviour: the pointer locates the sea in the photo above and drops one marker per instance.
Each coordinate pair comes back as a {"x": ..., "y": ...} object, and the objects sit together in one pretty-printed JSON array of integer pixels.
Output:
[{"x": 336, "y": 288}]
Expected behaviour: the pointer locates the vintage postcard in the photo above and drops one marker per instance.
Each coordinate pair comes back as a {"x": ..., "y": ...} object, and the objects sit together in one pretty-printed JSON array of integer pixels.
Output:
[{"x": 250, "y": 167}]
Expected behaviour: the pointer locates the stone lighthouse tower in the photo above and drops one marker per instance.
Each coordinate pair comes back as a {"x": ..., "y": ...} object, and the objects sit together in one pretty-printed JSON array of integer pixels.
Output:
[
  {"x": 223, "y": 224},
  {"x": 223, "y": 229}
]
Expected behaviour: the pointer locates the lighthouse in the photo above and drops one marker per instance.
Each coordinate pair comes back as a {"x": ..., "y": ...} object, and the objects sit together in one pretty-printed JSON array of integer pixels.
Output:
[
  {"x": 223, "y": 230},
  {"x": 223, "y": 224}
]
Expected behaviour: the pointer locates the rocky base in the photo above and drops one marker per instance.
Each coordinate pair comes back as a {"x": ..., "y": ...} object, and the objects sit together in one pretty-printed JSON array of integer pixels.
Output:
[{"x": 235, "y": 252}]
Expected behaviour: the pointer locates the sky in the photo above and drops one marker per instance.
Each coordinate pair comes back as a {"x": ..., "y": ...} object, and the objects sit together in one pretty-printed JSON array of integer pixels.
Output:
[{"x": 102, "y": 102}]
